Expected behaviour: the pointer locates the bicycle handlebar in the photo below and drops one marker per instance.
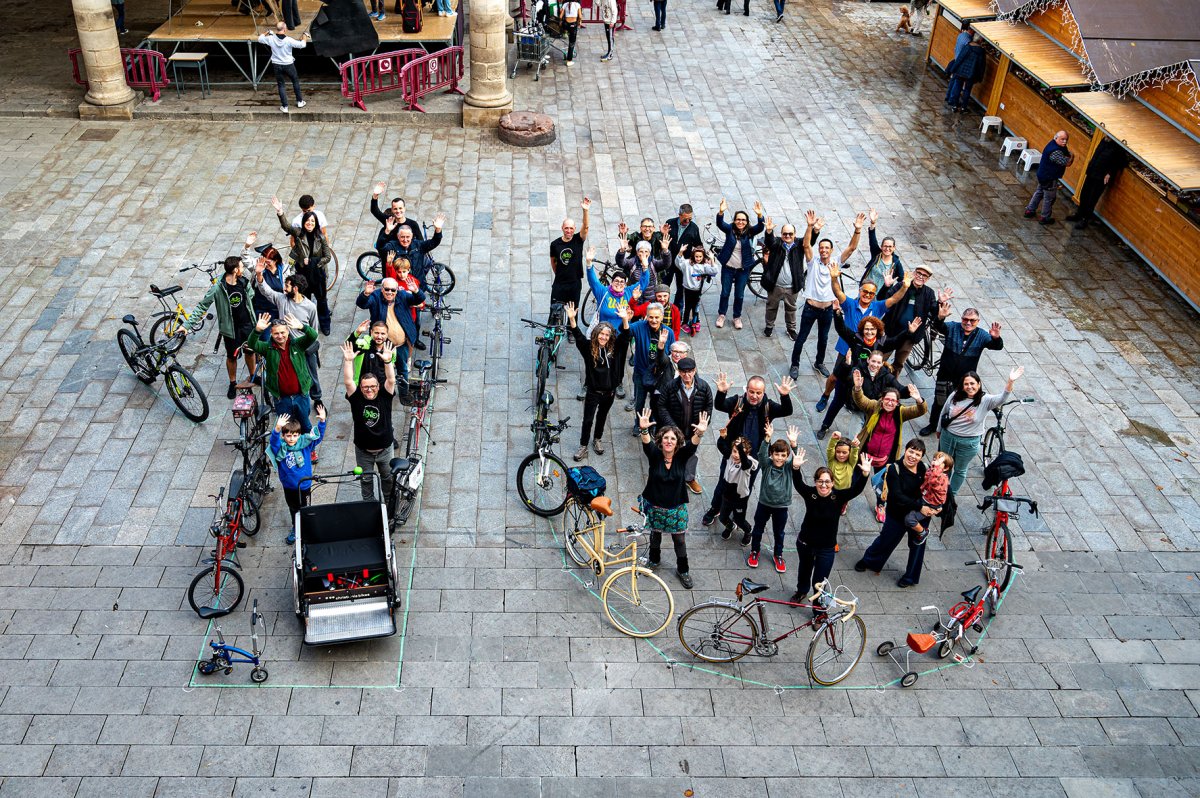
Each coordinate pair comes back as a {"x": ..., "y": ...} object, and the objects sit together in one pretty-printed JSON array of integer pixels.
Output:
[
  {"x": 989, "y": 563},
  {"x": 822, "y": 589},
  {"x": 988, "y": 501}
]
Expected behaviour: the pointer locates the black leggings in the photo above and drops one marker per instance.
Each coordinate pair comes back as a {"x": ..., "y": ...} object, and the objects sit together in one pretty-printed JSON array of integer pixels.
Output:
[
  {"x": 572, "y": 32},
  {"x": 680, "y": 541},
  {"x": 608, "y": 35},
  {"x": 596, "y": 403},
  {"x": 691, "y": 305}
]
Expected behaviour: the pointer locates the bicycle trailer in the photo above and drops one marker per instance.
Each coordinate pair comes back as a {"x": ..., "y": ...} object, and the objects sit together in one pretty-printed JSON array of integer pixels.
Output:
[{"x": 344, "y": 568}]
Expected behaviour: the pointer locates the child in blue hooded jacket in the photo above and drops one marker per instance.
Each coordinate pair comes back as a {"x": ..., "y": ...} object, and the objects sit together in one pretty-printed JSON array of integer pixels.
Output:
[{"x": 291, "y": 452}]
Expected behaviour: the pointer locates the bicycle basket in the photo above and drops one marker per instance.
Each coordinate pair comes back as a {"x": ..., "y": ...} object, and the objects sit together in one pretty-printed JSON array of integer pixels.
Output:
[
  {"x": 245, "y": 404},
  {"x": 418, "y": 392},
  {"x": 1006, "y": 466},
  {"x": 585, "y": 482}
]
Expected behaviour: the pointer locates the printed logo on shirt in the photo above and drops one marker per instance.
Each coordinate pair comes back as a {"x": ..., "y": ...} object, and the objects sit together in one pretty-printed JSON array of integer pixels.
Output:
[
  {"x": 370, "y": 415},
  {"x": 294, "y": 459}
]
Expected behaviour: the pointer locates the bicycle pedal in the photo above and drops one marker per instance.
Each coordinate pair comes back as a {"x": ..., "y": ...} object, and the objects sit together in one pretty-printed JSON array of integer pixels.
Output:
[
  {"x": 241, "y": 544},
  {"x": 978, "y": 627}
]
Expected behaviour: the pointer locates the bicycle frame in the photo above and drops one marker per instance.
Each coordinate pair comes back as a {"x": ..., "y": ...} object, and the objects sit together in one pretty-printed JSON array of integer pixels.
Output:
[{"x": 593, "y": 540}]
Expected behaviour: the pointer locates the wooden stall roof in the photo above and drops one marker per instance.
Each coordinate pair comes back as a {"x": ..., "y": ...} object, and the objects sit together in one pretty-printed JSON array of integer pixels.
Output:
[
  {"x": 969, "y": 10},
  {"x": 1150, "y": 138},
  {"x": 1034, "y": 52}
]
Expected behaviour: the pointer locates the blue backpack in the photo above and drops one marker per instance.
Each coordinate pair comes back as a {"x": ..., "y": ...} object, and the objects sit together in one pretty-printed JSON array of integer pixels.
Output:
[{"x": 585, "y": 482}]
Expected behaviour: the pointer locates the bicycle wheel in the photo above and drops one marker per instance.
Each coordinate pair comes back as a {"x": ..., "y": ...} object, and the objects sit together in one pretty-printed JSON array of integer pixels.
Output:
[
  {"x": 836, "y": 649},
  {"x": 211, "y": 593},
  {"x": 440, "y": 279},
  {"x": 918, "y": 357},
  {"x": 543, "y": 494},
  {"x": 369, "y": 266},
  {"x": 717, "y": 632},
  {"x": 952, "y": 631},
  {"x": 250, "y": 519},
  {"x": 332, "y": 270},
  {"x": 587, "y": 310},
  {"x": 186, "y": 393},
  {"x": 999, "y": 547},
  {"x": 755, "y": 282},
  {"x": 578, "y": 523},
  {"x": 162, "y": 332},
  {"x": 138, "y": 364},
  {"x": 993, "y": 444},
  {"x": 637, "y": 601}
]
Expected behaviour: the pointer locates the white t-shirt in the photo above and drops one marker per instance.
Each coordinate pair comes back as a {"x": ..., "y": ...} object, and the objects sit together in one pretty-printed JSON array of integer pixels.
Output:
[
  {"x": 296, "y": 222},
  {"x": 572, "y": 10},
  {"x": 818, "y": 285}
]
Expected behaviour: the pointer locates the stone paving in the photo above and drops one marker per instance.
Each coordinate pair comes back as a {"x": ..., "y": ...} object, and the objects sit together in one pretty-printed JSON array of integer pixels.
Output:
[{"x": 508, "y": 680}]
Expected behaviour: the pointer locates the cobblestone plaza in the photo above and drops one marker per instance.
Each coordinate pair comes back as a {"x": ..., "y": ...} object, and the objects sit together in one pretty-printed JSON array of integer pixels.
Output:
[{"x": 507, "y": 679}]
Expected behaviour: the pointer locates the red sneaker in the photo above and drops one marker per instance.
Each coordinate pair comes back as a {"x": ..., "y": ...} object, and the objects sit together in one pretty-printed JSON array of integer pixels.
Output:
[
  {"x": 752, "y": 560},
  {"x": 780, "y": 565},
  {"x": 880, "y": 514}
]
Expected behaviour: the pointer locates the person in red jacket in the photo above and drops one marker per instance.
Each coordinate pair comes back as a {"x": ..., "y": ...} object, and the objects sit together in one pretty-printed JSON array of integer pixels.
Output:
[{"x": 662, "y": 295}]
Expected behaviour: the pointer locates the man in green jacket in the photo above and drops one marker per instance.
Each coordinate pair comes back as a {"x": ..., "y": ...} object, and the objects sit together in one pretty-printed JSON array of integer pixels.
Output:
[
  {"x": 233, "y": 295},
  {"x": 287, "y": 378}
]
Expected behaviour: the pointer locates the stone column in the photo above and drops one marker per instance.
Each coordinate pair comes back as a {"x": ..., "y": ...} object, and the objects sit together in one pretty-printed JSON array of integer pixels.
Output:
[
  {"x": 489, "y": 97},
  {"x": 108, "y": 96}
]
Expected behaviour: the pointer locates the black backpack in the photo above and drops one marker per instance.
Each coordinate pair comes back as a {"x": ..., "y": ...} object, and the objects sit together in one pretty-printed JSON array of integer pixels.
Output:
[{"x": 411, "y": 16}]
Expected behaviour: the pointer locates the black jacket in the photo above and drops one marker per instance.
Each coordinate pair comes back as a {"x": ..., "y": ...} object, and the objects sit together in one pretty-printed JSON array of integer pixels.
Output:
[
  {"x": 687, "y": 237},
  {"x": 608, "y": 373},
  {"x": 417, "y": 230},
  {"x": 767, "y": 410},
  {"x": 668, "y": 404},
  {"x": 923, "y": 299},
  {"x": 859, "y": 351},
  {"x": 873, "y": 387},
  {"x": 774, "y": 262}
]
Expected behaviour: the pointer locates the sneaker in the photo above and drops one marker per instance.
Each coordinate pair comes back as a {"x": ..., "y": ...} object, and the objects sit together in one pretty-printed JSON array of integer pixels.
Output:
[
  {"x": 745, "y": 539},
  {"x": 694, "y": 486},
  {"x": 579, "y": 397},
  {"x": 822, "y": 432},
  {"x": 124, "y": 31},
  {"x": 926, "y": 431},
  {"x": 637, "y": 431},
  {"x": 651, "y": 564},
  {"x": 629, "y": 407},
  {"x": 606, "y": 58},
  {"x": 780, "y": 565},
  {"x": 301, "y": 104},
  {"x": 727, "y": 533},
  {"x": 822, "y": 403},
  {"x": 905, "y": 582},
  {"x": 232, "y": 392},
  {"x": 779, "y": 18},
  {"x": 820, "y": 369},
  {"x": 880, "y": 514},
  {"x": 1030, "y": 214},
  {"x": 283, "y": 108},
  {"x": 720, "y": 321},
  {"x": 737, "y": 324},
  {"x": 768, "y": 332},
  {"x": 752, "y": 560},
  {"x": 621, "y": 393},
  {"x": 794, "y": 372},
  {"x": 580, "y": 454},
  {"x": 791, "y": 334},
  {"x": 290, "y": 539},
  {"x": 568, "y": 63},
  {"x": 708, "y": 518},
  {"x": 798, "y": 598},
  {"x": 420, "y": 345},
  {"x": 685, "y": 579},
  {"x": 316, "y": 457},
  {"x": 382, "y": 16},
  {"x": 1045, "y": 220},
  {"x": 597, "y": 446},
  {"x": 860, "y": 566}
]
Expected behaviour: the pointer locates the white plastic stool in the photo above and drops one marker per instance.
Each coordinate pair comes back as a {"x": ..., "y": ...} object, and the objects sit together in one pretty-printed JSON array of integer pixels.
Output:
[
  {"x": 1012, "y": 144},
  {"x": 990, "y": 122},
  {"x": 1030, "y": 159}
]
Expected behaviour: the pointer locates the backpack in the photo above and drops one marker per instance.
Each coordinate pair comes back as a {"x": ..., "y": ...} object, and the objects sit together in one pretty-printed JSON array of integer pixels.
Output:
[
  {"x": 585, "y": 482},
  {"x": 411, "y": 16}
]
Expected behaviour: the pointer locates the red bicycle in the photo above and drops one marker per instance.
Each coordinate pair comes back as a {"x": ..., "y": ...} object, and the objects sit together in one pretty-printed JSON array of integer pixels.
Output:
[
  {"x": 218, "y": 589},
  {"x": 1004, "y": 506},
  {"x": 966, "y": 614}
]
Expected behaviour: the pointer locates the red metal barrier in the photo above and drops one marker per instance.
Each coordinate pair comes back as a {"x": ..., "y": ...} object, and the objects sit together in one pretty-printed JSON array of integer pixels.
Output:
[
  {"x": 144, "y": 69},
  {"x": 443, "y": 69},
  {"x": 374, "y": 74}
]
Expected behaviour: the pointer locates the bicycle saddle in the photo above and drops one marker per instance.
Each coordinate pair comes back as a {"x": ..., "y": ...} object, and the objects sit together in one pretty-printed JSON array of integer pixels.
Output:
[
  {"x": 398, "y": 464},
  {"x": 174, "y": 289},
  {"x": 129, "y": 318},
  {"x": 235, "y": 483},
  {"x": 972, "y": 594},
  {"x": 602, "y": 505},
  {"x": 750, "y": 586},
  {"x": 422, "y": 365},
  {"x": 921, "y": 643}
]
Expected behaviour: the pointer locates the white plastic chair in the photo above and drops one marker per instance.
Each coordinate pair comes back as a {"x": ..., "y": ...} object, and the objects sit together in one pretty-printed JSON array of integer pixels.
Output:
[
  {"x": 1012, "y": 144},
  {"x": 1029, "y": 159}
]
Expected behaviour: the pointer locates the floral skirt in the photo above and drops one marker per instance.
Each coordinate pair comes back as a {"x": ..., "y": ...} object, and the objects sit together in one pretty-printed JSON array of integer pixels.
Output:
[{"x": 669, "y": 520}]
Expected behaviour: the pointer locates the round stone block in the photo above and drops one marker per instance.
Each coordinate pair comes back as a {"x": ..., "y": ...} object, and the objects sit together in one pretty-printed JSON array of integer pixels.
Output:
[{"x": 526, "y": 129}]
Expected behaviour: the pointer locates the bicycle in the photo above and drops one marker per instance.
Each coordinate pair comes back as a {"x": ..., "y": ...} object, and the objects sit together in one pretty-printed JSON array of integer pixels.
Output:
[
  {"x": 218, "y": 589},
  {"x": 993, "y": 439},
  {"x": 756, "y": 270},
  {"x": 548, "y": 343},
  {"x": 636, "y": 600},
  {"x": 149, "y": 361},
  {"x": 438, "y": 278},
  {"x": 722, "y": 631},
  {"x": 252, "y": 482},
  {"x": 542, "y": 476},
  {"x": 1004, "y": 506},
  {"x": 923, "y": 356},
  {"x": 966, "y": 614},
  {"x": 225, "y": 656},
  {"x": 170, "y": 320},
  {"x": 437, "y": 339},
  {"x": 408, "y": 472}
]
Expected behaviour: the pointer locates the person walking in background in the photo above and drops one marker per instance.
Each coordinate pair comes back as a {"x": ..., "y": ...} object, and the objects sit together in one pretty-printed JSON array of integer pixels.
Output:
[
  {"x": 917, "y": 17},
  {"x": 282, "y": 60},
  {"x": 571, "y": 14},
  {"x": 608, "y": 15},
  {"x": 965, "y": 71},
  {"x": 1107, "y": 162},
  {"x": 1053, "y": 165},
  {"x": 660, "y": 15},
  {"x": 119, "y": 15}
]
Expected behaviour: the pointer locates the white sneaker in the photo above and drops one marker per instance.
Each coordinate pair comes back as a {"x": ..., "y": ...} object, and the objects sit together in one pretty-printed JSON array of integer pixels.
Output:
[
  {"x": 283, "y": 108},
  {"x": 302, "y": 103}
]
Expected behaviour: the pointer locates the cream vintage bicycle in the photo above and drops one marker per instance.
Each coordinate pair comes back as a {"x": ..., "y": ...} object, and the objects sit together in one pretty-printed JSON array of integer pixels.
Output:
[{"x": 635, "y": 599}]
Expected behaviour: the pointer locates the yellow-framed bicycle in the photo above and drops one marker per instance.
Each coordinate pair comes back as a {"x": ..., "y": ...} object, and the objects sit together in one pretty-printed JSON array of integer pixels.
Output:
[{"x": 636, "y": 601}]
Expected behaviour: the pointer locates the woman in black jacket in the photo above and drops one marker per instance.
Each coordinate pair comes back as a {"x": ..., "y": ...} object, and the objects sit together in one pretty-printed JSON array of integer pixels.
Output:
[
  {"x": 604, "y": 366},
  {"x": 902, "y": 486},
  {"x": 817, "y": 544},
  {"x": 665, "y": 495},
  {"x": 868, "y": 338},
  {"x": 309, "y": 256}
]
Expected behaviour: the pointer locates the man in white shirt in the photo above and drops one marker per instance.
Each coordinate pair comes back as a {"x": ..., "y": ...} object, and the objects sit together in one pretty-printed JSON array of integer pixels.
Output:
[
  {"x": 284, "y": 63},
  {"x": 818, "y": 291}
]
